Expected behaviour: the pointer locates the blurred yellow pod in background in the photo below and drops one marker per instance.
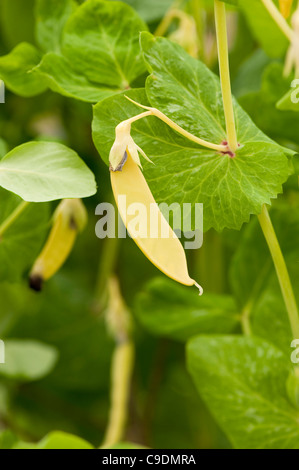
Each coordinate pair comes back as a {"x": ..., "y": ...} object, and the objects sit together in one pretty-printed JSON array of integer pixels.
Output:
[{"x": 285, "y": 7}]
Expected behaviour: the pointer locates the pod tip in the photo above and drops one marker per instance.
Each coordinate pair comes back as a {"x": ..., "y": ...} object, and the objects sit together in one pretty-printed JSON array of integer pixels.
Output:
[
  {"x": 36, "y": 282},
  {"x": 199, "y": 288}
]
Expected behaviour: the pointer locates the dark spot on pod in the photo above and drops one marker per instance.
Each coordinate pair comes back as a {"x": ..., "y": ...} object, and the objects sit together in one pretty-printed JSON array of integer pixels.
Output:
[
  {"x": 121, "y": 165},
  {"x": 36, "y": 282}
]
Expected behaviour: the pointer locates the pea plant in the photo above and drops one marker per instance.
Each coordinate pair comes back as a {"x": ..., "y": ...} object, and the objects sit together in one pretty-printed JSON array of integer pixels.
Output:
[{"x": 192, "y": 101}]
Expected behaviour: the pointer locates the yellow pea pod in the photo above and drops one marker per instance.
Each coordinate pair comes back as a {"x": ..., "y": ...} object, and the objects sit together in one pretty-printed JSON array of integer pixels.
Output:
[
  {"x": 285, "y": 7},
  {"x": 69, "y": 218},
  {"x": 167, "y": 254}
]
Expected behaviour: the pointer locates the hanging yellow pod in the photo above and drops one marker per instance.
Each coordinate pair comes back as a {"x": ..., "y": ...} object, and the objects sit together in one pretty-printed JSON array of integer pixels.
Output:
[
  {"x": 285, "y": 7},
  {"x": 70, "y": 217},
  {"x": 167, "y": 254}
]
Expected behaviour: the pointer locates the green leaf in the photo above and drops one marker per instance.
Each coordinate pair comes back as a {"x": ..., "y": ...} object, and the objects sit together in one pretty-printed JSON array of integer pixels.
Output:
[
  {"x": 243, "y": 382},
  {"x": 7, "y": 440},
  {"x": 231, "y": 2},
  {"x": 46, "y": 171},
  {"x": 150, "y": 11},
  {"x": 252, "y": 263},
  {"x": 51, "y": 16},
  {"x": 62, "y": 440},
  {"x": 17, "y": 21},
  {"x": 269, "y": 318},
  {"x": 57, "y": 440},
  {"x": 15, "y": 71},
  {"x": 264, "y": 28},
  {"x": 27, "y": 360},
  {"x": 101, "y": 40},
  {"x": 95, "y": 62},
  {"x": 250, "y": 73},
  {"x": 20, "y": 244},
  {"x": 59, "y": 75},
  {"x": 261, "y": 106},
  {"x": 48, "y": 320},
  {"x": 177, "y": 408},
  {"x": 231, "y": 189},
  {"x": 169, "y": 310},
  {"x": 3, "y": 148}
]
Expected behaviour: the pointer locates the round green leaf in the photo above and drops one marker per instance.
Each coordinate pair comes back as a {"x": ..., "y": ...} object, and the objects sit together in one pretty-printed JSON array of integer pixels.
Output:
[
  {"x": 46, "y": 171},
  {"x": 15, "y": 70},
  {"x": 27, "y": 360},
  {"x": 101, "y": 40},
  {"x": 243, "y": 382},
  {"x": 167, "y": 309}
]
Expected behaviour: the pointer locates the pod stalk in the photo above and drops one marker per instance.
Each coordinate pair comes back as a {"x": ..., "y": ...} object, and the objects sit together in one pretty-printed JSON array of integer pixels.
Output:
[{"x": 155, "y": 112}]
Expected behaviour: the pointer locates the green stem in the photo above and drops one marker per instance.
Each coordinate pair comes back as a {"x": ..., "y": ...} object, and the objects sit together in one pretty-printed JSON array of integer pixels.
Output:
[
  {"x": 222, "y": 44},
  {"x": 245, "y": 319},
  {"x": 13, "y": 217},
  {"x": 279, "y": 19},
  {"x": 281, "y": 270},
  {"x": 155, "y": 112}
]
